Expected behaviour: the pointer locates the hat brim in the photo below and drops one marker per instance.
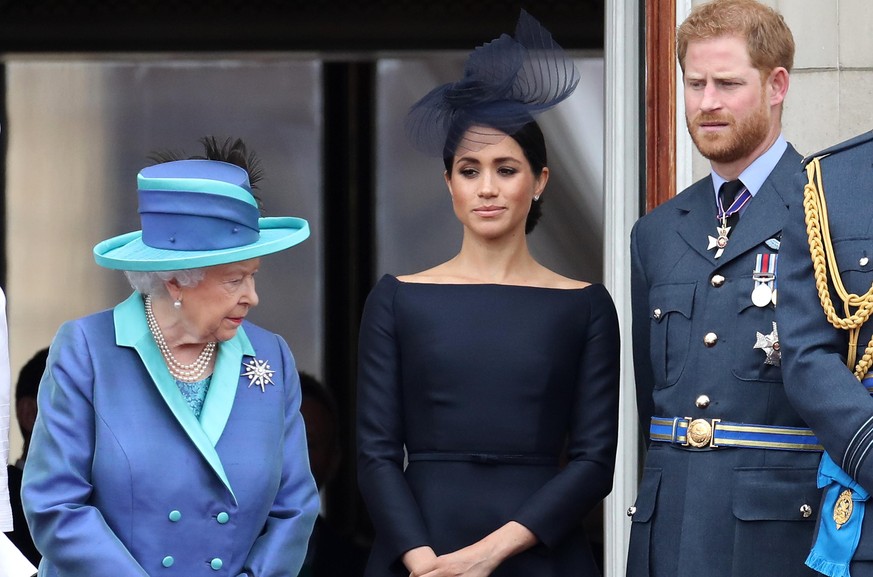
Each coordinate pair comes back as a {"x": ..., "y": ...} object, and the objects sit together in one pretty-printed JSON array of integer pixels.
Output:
[{"x": 129, "y": 252}]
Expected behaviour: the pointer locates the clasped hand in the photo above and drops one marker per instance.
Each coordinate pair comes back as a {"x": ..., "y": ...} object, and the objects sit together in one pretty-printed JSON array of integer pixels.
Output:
[
  {"x": 473, "y": 561},
  {"x": 476, "y": 560}
]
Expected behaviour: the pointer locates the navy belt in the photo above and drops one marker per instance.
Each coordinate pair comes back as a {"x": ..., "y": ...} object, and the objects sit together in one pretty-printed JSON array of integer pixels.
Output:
[
  {"x": 715, "y": 433},
  {"x": 485, "y": 458}
]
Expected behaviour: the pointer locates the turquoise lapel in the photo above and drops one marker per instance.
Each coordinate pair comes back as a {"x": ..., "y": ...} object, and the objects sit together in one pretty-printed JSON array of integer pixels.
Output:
[
  {"x": 131, "y": 330},
  {"x": 225, "y": 380}
]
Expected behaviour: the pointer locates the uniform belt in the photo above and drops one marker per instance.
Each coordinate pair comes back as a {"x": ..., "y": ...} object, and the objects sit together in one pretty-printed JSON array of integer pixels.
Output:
[
  {"x": 485, "y": 458},
  {"x": 715, "y": 433}
]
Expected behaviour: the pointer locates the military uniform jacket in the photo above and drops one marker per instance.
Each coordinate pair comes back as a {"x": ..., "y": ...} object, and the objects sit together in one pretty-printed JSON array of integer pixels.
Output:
[
  {"x": 724, "y": 511},
  {"x": 826, "y": 393},
  {"x": 122, "y": 480}
]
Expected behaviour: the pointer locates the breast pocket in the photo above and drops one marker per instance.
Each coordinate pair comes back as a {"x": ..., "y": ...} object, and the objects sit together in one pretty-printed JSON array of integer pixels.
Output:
[
  {"x": 670, "y": 335},
  {"x": 855, "y": 260}
]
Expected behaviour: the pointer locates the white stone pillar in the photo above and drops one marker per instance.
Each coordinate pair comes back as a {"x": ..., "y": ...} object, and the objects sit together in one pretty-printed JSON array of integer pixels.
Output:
[{"x": 623, "y": 131}]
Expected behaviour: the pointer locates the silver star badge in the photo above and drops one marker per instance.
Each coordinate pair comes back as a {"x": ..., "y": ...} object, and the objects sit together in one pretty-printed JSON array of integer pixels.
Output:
[
  {"x": 770, "y": 345},
  {"x": 259, "y": 373},
  {"x": 720, "y": 242}
]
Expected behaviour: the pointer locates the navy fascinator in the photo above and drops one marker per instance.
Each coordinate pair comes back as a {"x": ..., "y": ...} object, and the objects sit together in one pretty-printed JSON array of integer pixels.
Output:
[{"x": 506, "y": 82}]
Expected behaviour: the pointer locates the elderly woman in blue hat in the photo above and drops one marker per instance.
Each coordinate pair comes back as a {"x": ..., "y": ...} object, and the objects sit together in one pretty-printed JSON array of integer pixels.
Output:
[
  {"x": 169, "y": 439},
  {"x": 478, "y": 376}
]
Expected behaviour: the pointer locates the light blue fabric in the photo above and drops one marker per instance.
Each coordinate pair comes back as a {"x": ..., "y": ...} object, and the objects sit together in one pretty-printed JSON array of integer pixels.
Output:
[
  {"x": 835, "y": 546},
  {"x": 194, "y": 393}
]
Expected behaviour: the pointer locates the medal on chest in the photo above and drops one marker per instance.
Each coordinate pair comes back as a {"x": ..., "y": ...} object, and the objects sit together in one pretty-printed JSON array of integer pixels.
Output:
[
  {"x": 720, "y": 241},
  {"x": 764, "y": 275},
  {"x": 770, "y": 345}
]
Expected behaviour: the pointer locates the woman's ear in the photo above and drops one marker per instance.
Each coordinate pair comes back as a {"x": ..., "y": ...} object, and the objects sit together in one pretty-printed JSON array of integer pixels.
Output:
[
  {"x": 173, "y": 288},
  {"x": 541, "y": 182}
]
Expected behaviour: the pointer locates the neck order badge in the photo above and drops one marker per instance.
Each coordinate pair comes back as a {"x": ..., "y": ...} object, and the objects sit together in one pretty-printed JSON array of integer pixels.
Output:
[{"x": 727, "y": 195}]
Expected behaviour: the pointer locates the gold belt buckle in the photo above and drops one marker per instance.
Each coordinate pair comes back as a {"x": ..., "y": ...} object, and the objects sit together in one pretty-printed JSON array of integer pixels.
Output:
[{"x": 700, "y": 433}]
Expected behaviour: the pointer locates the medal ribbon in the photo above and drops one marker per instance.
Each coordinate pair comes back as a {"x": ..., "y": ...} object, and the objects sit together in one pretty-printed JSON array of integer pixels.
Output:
[
  {"x": 765, "y": 269},
  {"x": 764, "y": 276},
  {"x": 774, "y": 260},
  {"x": 735, "y": 207},
  {"x": 839, "y": 523},
  {"x": 834, "y": 544}
]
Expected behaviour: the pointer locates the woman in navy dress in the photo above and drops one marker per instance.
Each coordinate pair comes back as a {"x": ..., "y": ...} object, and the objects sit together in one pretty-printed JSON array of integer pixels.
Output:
[{"x": 488, "y": 385}]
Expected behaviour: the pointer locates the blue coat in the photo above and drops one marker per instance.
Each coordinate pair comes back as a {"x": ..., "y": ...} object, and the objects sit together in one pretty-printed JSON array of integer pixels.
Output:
[
  {"x": 826, "y": 393},
  {"x": 123, "y": 480},
  {"x": 724, "y": 511}
]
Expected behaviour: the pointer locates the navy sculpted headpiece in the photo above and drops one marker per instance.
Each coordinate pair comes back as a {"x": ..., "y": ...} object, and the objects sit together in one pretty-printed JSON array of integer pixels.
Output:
[{"x": 506, "y": 82}]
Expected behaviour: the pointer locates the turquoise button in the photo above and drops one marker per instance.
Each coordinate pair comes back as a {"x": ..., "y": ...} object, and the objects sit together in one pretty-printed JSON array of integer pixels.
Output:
[
  {"x": 168, "y": 561},
  {"x": 222, "y": 518},
  {"x": 175, "y": 516},
  {"x": 216, "y": 564}
]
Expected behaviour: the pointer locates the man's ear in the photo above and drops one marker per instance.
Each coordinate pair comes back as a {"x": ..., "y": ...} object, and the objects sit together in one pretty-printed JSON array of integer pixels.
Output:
[{"x": 777, "y": 85}]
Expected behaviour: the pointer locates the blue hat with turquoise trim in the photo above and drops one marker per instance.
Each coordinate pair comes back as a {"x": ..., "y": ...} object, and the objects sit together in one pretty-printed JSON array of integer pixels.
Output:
[{"x": 197, "y": 213}]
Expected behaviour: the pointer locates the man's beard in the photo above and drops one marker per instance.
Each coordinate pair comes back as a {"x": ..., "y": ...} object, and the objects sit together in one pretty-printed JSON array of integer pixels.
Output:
[{"x": 739, "y": 139}]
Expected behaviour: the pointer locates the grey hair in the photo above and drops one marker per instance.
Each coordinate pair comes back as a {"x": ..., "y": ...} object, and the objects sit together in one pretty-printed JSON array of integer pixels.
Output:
[{"x": 152, "y": 282}]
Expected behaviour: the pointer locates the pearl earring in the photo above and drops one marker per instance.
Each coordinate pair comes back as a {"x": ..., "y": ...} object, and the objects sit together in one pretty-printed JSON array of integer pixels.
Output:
[{"x": 177, "y": 304}]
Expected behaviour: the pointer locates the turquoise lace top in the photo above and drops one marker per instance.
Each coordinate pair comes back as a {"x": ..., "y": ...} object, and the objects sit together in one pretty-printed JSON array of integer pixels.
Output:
[{"x": 194, "y": 393}]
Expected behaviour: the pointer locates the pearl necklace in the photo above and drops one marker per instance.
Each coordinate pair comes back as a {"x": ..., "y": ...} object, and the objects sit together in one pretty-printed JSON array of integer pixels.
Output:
[{"x": 180, "y": 371}]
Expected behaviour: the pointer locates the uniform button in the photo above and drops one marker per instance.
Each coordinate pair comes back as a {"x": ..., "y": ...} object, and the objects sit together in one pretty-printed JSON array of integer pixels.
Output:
[
  {"x": 167, "y": 561},
  {"x": 631, "y": 511},
  {"x": 710, "y": 339},
  {"x": 805, "y": 510},
  {"x": 702, "y": 402},
  {"x": 216, "y": 564},
  {"x": 222, "y": 517},
  {"x": 717, "y": 280},
  {"x": 656, "y": 314},
  {"x": 864, "y": 260},
  {"x": 175, "y": 515}
]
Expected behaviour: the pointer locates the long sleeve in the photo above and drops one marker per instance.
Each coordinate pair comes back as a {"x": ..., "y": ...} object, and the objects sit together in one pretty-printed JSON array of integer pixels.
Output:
[
  {"x": 643, "y": 376},
  {"x": 392, "y": 506},
  {"x": 281, "y": 548},
  {"x": 554, "y": 510},
  {"x": 57, "y": 476},
  {"x": 818, "y": 383}
]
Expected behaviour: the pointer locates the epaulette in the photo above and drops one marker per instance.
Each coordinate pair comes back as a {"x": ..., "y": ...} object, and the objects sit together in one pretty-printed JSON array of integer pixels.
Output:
[{"x": 845, "y": 145}]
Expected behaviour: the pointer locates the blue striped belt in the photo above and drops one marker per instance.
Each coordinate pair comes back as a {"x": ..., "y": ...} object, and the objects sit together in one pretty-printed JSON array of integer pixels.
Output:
[{"x": 715, "y": 433}]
